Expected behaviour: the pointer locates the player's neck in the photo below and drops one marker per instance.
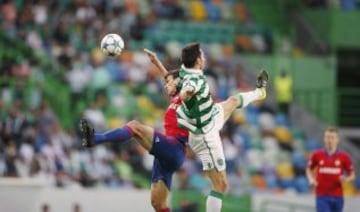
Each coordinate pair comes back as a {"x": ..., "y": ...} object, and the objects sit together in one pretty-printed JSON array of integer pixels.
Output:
[
  {"x": 195, "y": 69},
  {"x": 331, "y": 151}
]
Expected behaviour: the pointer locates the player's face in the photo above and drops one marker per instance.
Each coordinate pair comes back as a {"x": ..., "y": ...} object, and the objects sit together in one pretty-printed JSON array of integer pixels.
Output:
[
  {"x": 331, "y": 140},
  {"x": 170, "y": 85}
]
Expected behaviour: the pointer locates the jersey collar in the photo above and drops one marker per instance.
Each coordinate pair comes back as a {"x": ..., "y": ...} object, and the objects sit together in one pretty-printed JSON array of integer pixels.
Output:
[
  {"x": 326, "y": 152},
  {"x": 192, "y": 70}
]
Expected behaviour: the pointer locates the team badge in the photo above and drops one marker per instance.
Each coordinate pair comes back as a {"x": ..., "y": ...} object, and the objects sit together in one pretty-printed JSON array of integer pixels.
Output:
[
  {"x": 321, "y": 162},
  {"x": 337, "y": 162}
]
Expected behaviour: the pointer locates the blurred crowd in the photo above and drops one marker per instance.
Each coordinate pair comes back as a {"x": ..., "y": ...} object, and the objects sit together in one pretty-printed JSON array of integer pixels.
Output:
[
  {"x": 340, "y": 4},
  {"x": 264, "y": 152}
]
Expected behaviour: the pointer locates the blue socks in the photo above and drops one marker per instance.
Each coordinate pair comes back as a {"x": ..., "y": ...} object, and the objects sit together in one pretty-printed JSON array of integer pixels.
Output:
[{"x": 116, "y": 135}]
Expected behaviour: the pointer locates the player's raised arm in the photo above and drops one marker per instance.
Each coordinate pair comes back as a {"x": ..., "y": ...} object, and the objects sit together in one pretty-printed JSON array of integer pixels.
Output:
[{"x": 155, "y": 60}]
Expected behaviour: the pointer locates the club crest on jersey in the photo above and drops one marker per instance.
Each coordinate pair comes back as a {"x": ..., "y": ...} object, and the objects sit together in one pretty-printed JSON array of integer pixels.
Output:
[
  {"x": 337, "y": 162},
  {"x": 321, "y": 162}
]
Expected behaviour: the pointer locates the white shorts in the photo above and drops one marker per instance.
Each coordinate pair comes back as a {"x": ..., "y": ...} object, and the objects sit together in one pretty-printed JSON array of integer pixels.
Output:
[{"x": 208, "y": 146}]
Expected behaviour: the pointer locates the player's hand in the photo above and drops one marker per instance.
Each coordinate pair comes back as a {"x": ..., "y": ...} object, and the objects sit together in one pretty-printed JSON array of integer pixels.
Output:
[
  {"x": 313, "y": 182},
  {"x": 152, "y": 56},
  {"x": 344, "y": 179}
]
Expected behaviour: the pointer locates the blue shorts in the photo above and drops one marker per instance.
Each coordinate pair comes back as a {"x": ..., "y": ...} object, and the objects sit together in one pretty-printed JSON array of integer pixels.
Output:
[
  {"x": 329, "y": 204},
  {"x": 169, "y": 153}
]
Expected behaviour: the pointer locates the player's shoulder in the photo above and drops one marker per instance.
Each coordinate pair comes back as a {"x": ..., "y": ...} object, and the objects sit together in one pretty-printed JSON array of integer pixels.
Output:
[
  {"x": 318, "y": 152},
  {"x": 343, "y": 153},
  {"x": 187, "y": 75}
]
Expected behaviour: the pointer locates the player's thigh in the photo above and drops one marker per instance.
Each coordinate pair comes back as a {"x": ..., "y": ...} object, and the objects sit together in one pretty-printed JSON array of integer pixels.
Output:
[
  {"x": 159, "y": 194},
  {"x": 142, "y": 133},
  {"x": 229, "y": 105},
  {"x": 323, "y": 204},
  {"x": 218, "y": 179},
  {"x": 338, "y": 204},
  {"x": 208, "y": 148}
]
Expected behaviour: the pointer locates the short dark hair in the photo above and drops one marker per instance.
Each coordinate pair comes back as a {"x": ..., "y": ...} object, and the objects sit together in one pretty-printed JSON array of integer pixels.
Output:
[
  {"x": 332, "y": 129},
  {"x": 189, "y": 54},
  {"x": 174, "y": 73}
]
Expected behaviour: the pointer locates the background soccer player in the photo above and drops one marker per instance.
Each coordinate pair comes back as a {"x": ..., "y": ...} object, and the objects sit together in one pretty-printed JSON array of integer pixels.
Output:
[
  {"x": 204, "y": 119},
  {"x": 329, "y": 165}
]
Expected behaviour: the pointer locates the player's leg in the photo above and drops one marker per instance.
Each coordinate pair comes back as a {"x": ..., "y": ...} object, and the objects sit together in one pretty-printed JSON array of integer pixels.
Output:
[
  {"x": 243, "y": 99},
  {"x": 323, "y": 204},
  {"x": 338, "y": 204},
  {"x": 159, "y": 194},
  {"x": 208, "y": 148},
  {"x": 142, "y": 133},
  {"x": 219, "y": 185},
  {"x": 161, "y": 184},
  {"x": 229, "y": 105},
  {"x": 217, "y": 174}
]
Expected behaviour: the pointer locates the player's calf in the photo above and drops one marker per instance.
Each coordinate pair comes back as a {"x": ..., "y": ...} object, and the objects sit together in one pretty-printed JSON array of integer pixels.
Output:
[
  {"x": 159, "y": 206},
  {"x": 159, "y": 194},
  {"x": 90, "y": 138},
  {"x": 229, "y": 105},
  {"x": 220, "y": 186}
]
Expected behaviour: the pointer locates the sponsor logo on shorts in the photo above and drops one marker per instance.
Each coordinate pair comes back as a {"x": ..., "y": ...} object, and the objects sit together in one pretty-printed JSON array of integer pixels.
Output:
[
  {"x": 220, "y": 162},
  {"x": 157, "y": 139}
]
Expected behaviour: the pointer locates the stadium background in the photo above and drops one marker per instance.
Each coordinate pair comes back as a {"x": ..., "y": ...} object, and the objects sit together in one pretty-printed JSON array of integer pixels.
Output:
[{"x": 52, "y": 74}]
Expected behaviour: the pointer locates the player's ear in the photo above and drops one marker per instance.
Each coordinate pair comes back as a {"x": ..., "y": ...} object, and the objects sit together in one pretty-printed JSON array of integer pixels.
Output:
[{"x": 198, "y": 60}]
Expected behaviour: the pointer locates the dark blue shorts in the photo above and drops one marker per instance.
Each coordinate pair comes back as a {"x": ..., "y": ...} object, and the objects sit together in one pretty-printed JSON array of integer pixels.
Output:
[
  {"x": 169, "y": 153},
  {"x": 329, "y": 204}
]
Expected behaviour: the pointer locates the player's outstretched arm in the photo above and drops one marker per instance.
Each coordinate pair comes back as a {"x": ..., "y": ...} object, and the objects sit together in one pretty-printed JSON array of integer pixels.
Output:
[{"x": 155, "y": 60}]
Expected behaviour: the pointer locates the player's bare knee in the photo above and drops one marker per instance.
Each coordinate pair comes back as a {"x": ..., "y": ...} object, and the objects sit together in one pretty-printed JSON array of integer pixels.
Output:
[{"x": 135, "y": 126}]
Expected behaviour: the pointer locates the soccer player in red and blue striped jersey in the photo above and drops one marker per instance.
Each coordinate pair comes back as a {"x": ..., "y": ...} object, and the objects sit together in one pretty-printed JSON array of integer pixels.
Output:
[
  {"x": 327, "y": 169},
  {"x": 168, "y": 149}
]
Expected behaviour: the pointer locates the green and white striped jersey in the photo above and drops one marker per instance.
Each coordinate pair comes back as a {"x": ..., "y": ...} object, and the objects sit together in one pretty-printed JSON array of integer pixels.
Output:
[{"x": 196, "y": 114}]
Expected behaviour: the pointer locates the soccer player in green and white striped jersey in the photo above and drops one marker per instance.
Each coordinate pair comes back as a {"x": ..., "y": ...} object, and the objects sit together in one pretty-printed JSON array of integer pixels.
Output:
[
  {"x": 196, "y": 113},
  {"x": 204, "y": 118}
]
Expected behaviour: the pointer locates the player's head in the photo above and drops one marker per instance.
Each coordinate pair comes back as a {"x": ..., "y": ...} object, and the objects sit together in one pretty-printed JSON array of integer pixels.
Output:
[
  {"x": 171, "y": 82},
  {"x": 192, "y": 56},
  {"x": 331, "y": 138}
]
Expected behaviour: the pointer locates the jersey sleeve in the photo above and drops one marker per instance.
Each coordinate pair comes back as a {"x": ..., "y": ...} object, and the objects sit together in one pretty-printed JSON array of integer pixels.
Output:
[
  {"x": 192, "y": 83},
  {"x": 348, "y": 167},
  {"x": 313, "y": 162}
]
